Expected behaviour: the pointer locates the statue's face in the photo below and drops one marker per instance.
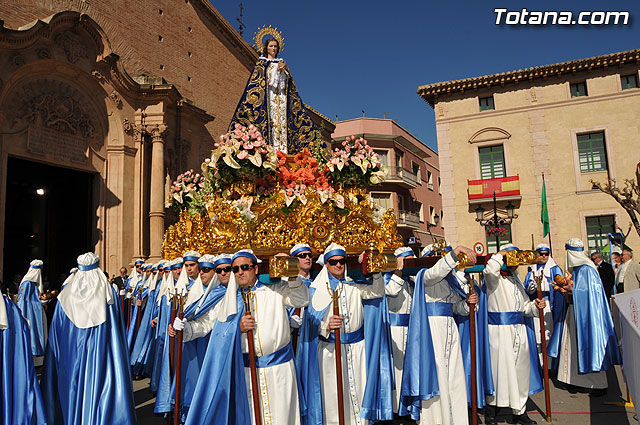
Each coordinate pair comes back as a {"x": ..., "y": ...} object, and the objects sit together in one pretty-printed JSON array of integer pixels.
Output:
[{"x": 272, "y": 49}]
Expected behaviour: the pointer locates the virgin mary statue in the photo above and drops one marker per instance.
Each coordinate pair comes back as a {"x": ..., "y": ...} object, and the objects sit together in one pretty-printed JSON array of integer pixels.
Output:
[{"x": 271, "y": 102}]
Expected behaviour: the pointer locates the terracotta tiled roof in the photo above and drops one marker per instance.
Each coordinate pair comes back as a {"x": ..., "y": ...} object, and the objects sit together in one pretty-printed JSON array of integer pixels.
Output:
[{"x": 430, "y": 92}]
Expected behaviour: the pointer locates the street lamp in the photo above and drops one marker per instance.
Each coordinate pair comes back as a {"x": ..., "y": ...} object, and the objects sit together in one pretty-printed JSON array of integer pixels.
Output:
[
  {"x": 430, "y": 224},
  {"x": 491, "y": 218}
]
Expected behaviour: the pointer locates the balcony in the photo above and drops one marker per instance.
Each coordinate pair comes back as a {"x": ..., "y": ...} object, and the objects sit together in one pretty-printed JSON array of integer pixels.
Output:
[
  {"x": 402, "y": 177},
  {"x": 505, "y": 188},
  {"x": 408, "y": 219}
]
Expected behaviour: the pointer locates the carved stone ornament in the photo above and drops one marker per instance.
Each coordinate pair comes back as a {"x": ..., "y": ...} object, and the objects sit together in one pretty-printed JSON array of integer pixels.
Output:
[
  {"x": 72, "y": 45},
  {"x": 98, "y": 75},
  {"x": 54, "y": 105},
  {"x": 116, "y": 99},
  {"x": 17, "y": 59},
  {"x": 127, "y": 126},
  {"x": 43, "y": 53}
]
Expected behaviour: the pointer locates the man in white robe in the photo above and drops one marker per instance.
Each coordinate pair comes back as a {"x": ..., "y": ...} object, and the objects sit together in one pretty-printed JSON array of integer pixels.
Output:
[
  {"x": 508, "y": 304},
  {"x": 399, "y": 291},
  {"x": 444, "y": 297}
]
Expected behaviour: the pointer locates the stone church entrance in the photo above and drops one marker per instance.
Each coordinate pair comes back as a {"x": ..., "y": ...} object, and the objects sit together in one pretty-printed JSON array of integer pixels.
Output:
[{"x": 49, "y": 215}]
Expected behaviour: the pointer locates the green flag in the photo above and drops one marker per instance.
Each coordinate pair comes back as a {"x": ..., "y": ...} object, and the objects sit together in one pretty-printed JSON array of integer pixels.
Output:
[{"x": 544, "y": 212}]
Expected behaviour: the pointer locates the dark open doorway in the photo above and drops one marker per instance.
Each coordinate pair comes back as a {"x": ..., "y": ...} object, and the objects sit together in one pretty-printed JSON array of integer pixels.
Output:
[{"x": 49, "y": 215}]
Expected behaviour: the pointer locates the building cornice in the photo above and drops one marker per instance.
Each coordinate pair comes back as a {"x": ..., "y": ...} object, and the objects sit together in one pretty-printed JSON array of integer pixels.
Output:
[{"x": 431, "y": 93}]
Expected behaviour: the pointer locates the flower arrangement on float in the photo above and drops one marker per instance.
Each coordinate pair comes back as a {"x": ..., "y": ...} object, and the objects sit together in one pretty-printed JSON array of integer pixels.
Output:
[
  {"x": 356, "y": 164},
  {"x": 187, "y": 187},
  {"x": 243, "y": 171}
]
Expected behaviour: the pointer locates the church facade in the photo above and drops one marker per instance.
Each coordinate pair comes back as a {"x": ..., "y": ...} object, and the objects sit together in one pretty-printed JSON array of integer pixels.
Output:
[{"x": 102, "y": 105}]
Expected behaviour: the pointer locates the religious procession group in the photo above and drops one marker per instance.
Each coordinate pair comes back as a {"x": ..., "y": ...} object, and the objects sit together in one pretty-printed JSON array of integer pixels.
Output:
[{"x": 254, "y": 353}]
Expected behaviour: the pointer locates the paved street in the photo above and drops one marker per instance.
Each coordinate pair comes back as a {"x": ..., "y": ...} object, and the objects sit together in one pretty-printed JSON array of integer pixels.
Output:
[{"x": 569, "y": 409}]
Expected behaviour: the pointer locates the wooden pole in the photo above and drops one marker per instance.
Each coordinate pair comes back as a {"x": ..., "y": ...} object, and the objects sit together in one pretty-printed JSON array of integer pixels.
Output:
[
  {"x": 335, "y": 295},
  {"x": 128, "y": 313},
  {"x": 474, "y": 366},
  {"x": 543, "y": 341},
  {"x": 139, "y": 316},
  {"x": 172, "y": 340},
  {"x": 176, "y": 412},
  {"x": 255, "y": 390}
]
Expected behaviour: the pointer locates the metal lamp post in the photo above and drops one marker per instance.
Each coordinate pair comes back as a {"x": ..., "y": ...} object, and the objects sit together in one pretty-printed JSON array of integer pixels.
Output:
[{"x": 494, "y": 220}]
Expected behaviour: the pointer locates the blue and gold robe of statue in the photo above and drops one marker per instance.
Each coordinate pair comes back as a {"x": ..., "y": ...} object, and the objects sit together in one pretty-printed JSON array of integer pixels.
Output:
[{"x": 253, "y": 108}]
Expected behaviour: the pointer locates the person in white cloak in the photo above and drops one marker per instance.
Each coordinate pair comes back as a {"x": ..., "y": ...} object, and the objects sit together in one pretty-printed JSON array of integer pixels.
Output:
[
  {"x": 588, "y": 344},
  {"x": 444, "y": 297},
  {"x": 399, "y": 291},
  {"x": 508, "y": 305}
]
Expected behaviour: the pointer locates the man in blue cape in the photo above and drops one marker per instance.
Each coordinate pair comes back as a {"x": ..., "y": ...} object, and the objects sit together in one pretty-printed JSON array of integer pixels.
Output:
[
  {"x": 434, "y": 373},
  {"x": 513, "y": 359},
  {"x": 555, "y": 309},
  {"x": 142, "y": 352},
  {"x": 196, "y": 326},
  {"x": 87, "y": 378},
  {"x": 31, "y": 308},
  {"x": 20, "y": 402},
  {"x": 367, "y": 362},
  {"x": 585, "y": 344},
  {"x": 223, "y": 392}
]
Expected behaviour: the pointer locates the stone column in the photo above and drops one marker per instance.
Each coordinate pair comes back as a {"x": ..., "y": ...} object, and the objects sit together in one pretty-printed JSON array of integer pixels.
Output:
[
  {"x": 139, "y": 192},
  {"x": 157, "y": 195}
]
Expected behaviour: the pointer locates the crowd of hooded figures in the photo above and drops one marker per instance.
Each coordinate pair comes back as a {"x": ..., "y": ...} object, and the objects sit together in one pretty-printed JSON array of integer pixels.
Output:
[{"x": 248, "y": 351}]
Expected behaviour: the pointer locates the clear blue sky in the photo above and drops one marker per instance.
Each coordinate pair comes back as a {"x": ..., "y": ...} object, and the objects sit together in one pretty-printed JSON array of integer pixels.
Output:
[{"x": 348, "y": 55}]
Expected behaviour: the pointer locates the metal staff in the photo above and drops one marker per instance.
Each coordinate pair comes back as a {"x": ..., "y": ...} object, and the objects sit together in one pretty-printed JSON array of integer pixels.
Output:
[
  {"x": 246, "y": 297},
  {"x": 472, "y": 340},
  {"x": 176, "y": 412},
  {"x": 335, "y": 296},
  {"x": 543, "y": 340},
  {"x": 294, "y": 337}
]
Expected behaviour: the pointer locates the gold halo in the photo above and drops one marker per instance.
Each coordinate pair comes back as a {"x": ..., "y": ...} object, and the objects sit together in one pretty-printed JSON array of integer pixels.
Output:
[{"x": 264, "y": 31}]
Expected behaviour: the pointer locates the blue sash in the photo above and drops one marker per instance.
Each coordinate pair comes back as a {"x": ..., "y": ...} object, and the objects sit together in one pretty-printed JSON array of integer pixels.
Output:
[
  {"x": 440, "y": 309},
  {"x": 281, "y": 356},
  {"x": 506, "y": 318},
  {"x": 396, "y": 319},
  {"x": 346, "y": 338}
]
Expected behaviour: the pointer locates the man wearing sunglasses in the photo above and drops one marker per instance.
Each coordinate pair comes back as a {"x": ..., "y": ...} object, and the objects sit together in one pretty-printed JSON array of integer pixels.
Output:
[
  {"x": 359, "y": 302},
  {"x": 302, "y": 252},
  {"x": 554, "y": 309},
  {"x": 269, "y": 322},
  {"x": 198, "y": 321}
]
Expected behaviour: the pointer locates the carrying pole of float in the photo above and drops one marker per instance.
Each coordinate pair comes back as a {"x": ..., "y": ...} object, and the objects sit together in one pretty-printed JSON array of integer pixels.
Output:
[
  {"x": 543, "y": 341},
  {"x": 246, "y": 296},
  {"x": 178, "y": 366},
  {"x": 474, "y": 366},
  {"x": 335, "y": 295}
]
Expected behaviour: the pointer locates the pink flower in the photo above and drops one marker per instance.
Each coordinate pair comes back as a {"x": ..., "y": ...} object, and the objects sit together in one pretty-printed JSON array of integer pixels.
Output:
[
  {"x": 242, "y": 154},
  {"x": 289, "y": 192},
  {"x": 207, "y": 160}
]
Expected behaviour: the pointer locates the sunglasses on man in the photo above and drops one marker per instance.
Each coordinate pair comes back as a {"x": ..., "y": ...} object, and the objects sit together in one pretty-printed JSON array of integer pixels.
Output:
[
  {"x": 544, "y": 254},
  {"x": 244, "y": 267},
  {"x": 304, "y": 255},
  {"x": 226, "y": 269},
  {"x": 335, "y": 261}
]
